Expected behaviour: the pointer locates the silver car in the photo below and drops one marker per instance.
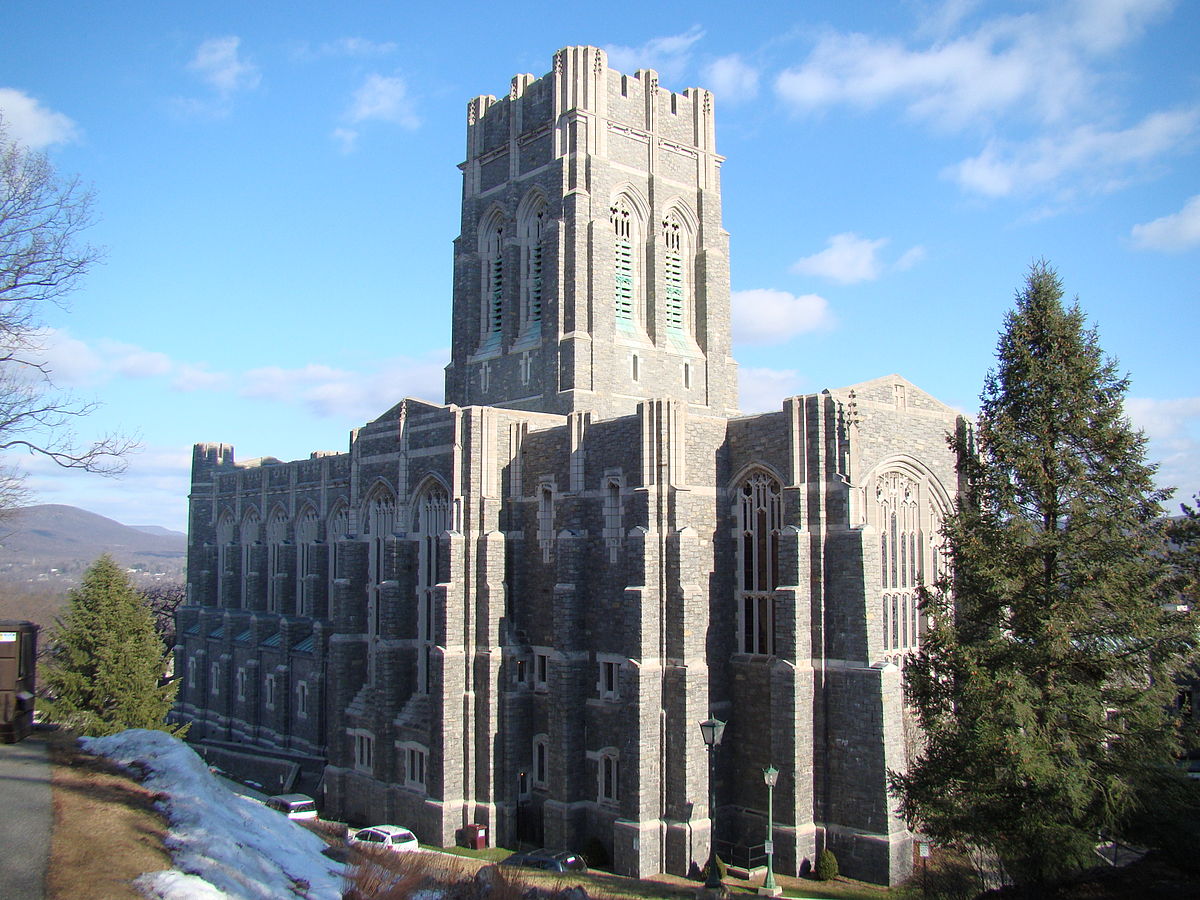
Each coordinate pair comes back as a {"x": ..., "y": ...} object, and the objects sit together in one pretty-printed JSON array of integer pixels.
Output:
[{"x": 386, "y": 837}]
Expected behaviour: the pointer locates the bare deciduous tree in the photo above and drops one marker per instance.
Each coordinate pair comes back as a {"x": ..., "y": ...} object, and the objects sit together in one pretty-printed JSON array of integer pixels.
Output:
[{"x": 41, "y": 261}]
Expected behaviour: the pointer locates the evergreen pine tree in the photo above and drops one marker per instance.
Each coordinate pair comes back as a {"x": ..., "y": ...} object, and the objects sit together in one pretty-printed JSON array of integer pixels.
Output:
[
  {"x": 1044, "y": 683},
  {"x": 105, "y": 670}
]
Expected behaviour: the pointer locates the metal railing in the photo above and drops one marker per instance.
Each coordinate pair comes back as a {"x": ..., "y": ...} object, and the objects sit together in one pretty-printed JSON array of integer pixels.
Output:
[{"x": 742, "y": 856}]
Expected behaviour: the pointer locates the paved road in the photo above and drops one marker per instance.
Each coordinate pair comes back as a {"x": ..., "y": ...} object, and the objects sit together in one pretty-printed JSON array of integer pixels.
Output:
[{"x": 25, "y": 818}]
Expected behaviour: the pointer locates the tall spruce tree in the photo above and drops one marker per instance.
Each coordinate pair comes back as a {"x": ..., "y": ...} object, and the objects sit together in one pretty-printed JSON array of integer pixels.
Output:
[
  {"x": 1044, "y": 681},
  {"x": 105, "y": 669}
]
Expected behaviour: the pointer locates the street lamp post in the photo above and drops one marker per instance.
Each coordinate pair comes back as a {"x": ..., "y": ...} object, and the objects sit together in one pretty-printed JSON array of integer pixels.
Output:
[
  {"x": 769, "y": 888},
  {"x": 711, "y": 729}
]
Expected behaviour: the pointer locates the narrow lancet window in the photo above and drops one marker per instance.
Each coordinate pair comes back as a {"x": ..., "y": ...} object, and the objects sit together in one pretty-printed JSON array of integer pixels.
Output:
[
  {"x": 625, "y": 262},
  {"x": 760, "y": 520}
]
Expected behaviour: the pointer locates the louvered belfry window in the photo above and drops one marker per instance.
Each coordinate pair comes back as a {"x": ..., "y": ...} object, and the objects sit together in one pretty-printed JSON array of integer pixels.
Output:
[
  {"x": 495, "y": 281},
  {"x": 624, "y": 262},
  {"x": 676, "y": 286}
]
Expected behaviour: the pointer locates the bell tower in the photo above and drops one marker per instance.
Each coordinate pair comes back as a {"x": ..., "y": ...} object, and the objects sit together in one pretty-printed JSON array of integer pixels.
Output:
[{"x": 591, "y": 270}]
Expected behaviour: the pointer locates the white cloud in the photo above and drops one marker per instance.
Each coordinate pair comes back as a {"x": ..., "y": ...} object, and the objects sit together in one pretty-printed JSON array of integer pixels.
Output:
[
  {"x": 1103, "y": 25},
  {"x": 190, "y": 377},
  {"x": 276, "y": 383},
  {"x": 951, "y": 84},
  {"x": 1178, "y": 231},
  {"x": 848, "y": 259},
  {"x": 384, "y": 99},
  {"x": 669, "y": 56},
  {"x": 940, "y": 20},
  {"x": 328, "y": 392},
  {"x": 766, "y": 316},
  {"x": 910, "y": 258},
  {"x": 32, "y": 124},
  {"x": 68, "y": 362},
  {"x": 354, "y": 47},
  {"x": 763, "y": 390},
  {"x": 135, "y": 362},
  {"x": 151, "y": 491},
  {"x": 1172, "y": 427},
  {"x": 1097, "y": 159},
  {"x": 219, "y": 63},
  {"x": 1163, "y": 419},
  {"x": 71, "y": 362},
  {"x": 731, "y": 79},
  {"x": 346, "y": 137},
  {"x": 1037, "y": 63},
  {"x": 1047, "y": 68}
]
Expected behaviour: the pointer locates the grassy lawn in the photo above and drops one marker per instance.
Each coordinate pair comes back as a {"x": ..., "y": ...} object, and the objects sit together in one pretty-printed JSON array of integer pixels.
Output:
[
  {"x": 490, "y": 855},
  {"x": 102, "y": 814},
  {"x": 106, "y": 830}
]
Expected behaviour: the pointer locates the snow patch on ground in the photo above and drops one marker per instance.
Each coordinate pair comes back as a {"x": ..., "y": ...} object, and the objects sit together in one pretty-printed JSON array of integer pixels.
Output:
[{"x": 225, "y": 847}]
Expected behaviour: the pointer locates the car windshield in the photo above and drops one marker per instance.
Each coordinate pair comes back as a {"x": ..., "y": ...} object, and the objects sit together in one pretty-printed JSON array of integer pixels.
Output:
[
  {"x": 573, "y": 862},
  {"x": 305, "y": 806},
  {"x": 401, "y": 837}
]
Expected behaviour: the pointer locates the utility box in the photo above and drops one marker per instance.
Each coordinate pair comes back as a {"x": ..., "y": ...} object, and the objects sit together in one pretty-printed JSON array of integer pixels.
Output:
[
  {"x": 476, "y": 836},
  {"x": 18, "y": 655}
]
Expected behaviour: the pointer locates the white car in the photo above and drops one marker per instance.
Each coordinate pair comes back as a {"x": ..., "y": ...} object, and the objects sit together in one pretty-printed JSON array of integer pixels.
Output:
[
  {"x": 387, "y": 837},
  {"x": 294, "y": 806}
]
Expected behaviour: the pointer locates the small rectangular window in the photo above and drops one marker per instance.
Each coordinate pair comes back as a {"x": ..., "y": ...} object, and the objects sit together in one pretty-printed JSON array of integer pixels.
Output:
[
  {"x": 609, "y": 778},
  {"x": 416, "y": 768},
  {"x": 610, "y": 680},
  {"x": 364, "y": 751},
  {"x": 541, "y": 667},
  {"x": 540, "y": 753}
]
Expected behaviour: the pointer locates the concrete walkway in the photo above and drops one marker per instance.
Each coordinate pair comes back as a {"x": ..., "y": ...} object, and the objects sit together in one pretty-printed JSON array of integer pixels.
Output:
[{"x": 26, "y": 818}]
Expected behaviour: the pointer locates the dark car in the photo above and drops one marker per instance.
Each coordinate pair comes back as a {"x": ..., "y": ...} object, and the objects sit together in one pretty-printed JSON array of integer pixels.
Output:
[{"x": 549, "y": 861}]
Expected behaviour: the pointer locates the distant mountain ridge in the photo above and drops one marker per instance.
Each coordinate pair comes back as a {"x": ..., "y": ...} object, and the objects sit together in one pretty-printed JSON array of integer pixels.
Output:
[
  {"x": 159, "y": 530},
  {"x": 56, "y": 543}
]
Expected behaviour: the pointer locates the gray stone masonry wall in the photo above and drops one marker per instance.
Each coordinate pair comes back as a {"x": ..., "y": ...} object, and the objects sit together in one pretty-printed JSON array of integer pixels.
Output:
[
  {"x": 587, "y": 583},
  {"x": 657, "y": 148}
]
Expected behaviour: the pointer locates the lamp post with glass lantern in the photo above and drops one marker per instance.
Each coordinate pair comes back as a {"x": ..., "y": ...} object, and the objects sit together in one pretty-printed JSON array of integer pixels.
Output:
[
  {"x": 711, "y": 729},
  {"x": 769, "y": 888}
]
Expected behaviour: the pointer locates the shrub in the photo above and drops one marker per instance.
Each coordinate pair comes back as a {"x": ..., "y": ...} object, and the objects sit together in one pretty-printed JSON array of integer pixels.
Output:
[
  {"x": 722, "y": 869},
  {"x": 827, "y": 866}
]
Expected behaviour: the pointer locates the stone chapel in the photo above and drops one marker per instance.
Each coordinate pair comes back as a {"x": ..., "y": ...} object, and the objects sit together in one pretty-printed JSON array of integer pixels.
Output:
[{"x": 514, "y": 608}]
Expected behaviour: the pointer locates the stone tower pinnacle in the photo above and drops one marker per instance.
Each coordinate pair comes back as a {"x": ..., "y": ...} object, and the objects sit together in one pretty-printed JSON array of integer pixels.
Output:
[{"x": 592, "y": 270}]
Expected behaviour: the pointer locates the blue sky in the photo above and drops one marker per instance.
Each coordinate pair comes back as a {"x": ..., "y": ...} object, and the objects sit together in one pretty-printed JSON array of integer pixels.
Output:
[{"x": 277, "y": 192}]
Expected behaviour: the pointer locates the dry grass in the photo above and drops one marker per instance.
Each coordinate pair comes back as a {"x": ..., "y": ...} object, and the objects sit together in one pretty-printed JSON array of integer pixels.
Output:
[
  {"x": 106, "y": 830},
  {"x": 378, "y": 874}
]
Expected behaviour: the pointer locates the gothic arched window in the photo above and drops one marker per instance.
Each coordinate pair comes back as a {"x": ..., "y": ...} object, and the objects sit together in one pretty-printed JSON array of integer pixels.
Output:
[
  {"x": 307, "y": 534},
  {"x": 760, "y": 518},
  {"x": 532, "y": 263},
  {"x": 626, "y": 263},
  {"x": 432, "y": 518},
  {"x": 491, "y": 252},
  {"x": 276, "y": 535},
  {"x": 675, "y": 271},
  {"x": 338, "y": 525},
  {"x": 380, "y": 516},
  {"x": 226, "y": 535},
  {"x": 905, "y": 550},
  {"x": 248, "y": 537}
]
